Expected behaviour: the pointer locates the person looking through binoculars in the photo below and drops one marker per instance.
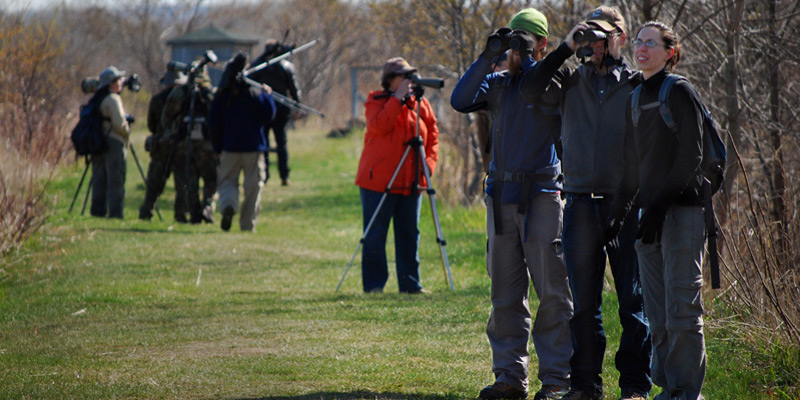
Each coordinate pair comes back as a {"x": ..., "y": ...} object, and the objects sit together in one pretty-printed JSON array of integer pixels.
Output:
[
  {"x": 391, "y": 125},
  {"x": 157, "y": 144},
  {"x": 109, "y": 167},
  {"x": 281, "y": 77},
  {"x": 593, "y": 100},
  {"x": 524, "y": 214},
  {"x": 202, "y": 162}
]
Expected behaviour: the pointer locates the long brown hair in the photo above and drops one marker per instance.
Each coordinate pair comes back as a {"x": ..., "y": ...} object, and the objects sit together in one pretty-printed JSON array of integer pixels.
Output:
[{"x": 670, "y": 39}]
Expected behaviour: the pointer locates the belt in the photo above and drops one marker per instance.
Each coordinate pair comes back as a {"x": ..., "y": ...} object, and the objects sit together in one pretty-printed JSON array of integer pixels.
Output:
[{"x": 593, "y": 196}]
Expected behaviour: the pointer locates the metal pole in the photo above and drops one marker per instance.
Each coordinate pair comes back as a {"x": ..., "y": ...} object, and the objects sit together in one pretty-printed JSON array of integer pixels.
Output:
[
  {"x": 273, "y": 60},
  {"x": 85, "y": 170},
  {"x": 431, "y": 192},
  {"x": 141, "y": 172}
]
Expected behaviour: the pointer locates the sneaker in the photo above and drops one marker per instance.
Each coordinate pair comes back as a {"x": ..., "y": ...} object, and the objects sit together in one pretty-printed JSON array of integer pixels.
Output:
[
  {"x": 420, "y": 291},
  {"x": 375, "y": 290},
  {"x": 227, "y": 218},
  {"x": 208, "y": 214},
  {"x": 502, "y": 390},
  {"x": 286, "y": 182},
  {"x": 576, "y": 394},
  {"x": 632, "y": 395},
  {"x": 548, "y": 392}
]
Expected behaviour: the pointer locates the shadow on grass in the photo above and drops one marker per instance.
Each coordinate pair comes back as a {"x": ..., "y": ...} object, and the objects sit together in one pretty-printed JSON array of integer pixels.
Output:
[{"x": 355, "y": 395}]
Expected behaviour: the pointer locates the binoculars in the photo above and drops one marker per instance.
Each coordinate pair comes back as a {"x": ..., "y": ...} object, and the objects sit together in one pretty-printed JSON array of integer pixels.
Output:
[
  {"x": 510, "y": 40},
  {"x": 589, "y": 35}
]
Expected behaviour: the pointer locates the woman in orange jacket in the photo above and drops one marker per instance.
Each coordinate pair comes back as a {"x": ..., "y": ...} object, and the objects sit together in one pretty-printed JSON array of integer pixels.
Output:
[{"x": 391, "y": 124}]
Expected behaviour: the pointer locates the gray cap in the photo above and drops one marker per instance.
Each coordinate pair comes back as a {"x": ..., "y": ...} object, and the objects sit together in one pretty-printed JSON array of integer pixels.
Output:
[
  {"x": 109, "y": 75},
  {"x": 173, "y": 78}
]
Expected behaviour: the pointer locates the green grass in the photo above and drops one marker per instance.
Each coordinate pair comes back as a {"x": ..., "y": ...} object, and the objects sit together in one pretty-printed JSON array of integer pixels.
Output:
[{"x": 106, "y": 309}]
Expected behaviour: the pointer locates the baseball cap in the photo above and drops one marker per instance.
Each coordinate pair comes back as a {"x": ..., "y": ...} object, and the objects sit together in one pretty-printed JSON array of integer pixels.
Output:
[
  {"x": 609, "y": 19},
  {"x": 397, "y": 66}
]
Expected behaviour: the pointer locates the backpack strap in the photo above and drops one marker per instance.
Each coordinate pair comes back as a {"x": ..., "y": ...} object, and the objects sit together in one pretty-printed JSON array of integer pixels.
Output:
[
  {"x": 663, "y": 100},
  {"x": 636, "y": 111}
]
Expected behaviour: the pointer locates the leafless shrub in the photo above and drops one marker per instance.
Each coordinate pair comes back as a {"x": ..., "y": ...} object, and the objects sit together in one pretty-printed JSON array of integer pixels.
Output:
[{"x": 32, "y": 136}]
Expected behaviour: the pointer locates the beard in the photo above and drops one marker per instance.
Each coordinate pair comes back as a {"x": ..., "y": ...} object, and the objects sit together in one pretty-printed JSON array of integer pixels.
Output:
[{"x": 515, "y": 66}]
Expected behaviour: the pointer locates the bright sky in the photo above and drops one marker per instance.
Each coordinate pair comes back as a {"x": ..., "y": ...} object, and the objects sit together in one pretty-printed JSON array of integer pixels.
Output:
[{"x": 17, "y": 5}]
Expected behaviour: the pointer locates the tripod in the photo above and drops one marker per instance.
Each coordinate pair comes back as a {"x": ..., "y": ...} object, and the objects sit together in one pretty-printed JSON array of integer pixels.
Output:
[{"x": 417, "y": 144}]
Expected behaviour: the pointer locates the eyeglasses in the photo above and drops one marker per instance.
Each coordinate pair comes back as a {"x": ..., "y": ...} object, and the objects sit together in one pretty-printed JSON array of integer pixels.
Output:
[{"x": 649, "y": 44}]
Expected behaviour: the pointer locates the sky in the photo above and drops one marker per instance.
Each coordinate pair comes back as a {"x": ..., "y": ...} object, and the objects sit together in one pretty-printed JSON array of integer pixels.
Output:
[{"x": 18, "y": 5}]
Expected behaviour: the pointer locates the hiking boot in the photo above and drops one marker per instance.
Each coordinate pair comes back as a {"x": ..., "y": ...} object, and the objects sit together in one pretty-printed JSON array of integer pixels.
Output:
[
  {"x": 145, "y": 215},
  {"x": 286, "y": 182},
  {"x": 502, "y": 390},
  {"x": 632, "y": 395},
  {"x": 375, "y": 290},
  {"x": 548, "y": 392},
  {"x": 419, "y": 291},
  {"x": 227, "y": 218},
  {"x": 576, "y": 394}
]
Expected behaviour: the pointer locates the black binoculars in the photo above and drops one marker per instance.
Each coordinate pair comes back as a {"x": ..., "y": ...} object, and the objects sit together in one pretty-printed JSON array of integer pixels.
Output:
[
  {"x": 510, "y": 40},
  {"x": 589, "y": 35}
]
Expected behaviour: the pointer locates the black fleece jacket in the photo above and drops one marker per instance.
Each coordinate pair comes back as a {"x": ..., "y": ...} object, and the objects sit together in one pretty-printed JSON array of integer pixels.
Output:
[{"x": 662, "y": 165}]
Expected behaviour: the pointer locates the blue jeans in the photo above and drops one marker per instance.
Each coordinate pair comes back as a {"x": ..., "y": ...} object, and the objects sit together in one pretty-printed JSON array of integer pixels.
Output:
[
  {"x": 585, "y": 257},
  {"x": 404, "y": 210}
]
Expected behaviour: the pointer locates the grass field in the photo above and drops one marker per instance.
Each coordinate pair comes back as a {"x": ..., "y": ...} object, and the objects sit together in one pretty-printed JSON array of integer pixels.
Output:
[{"x": 108, "y": 309}]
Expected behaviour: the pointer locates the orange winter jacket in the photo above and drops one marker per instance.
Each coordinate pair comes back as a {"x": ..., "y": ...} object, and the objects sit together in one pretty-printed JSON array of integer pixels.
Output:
[{"x": 390, "y": 125}]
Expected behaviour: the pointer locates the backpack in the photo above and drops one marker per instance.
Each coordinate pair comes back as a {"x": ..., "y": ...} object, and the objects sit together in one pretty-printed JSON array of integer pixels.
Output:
[
  {"x": 712, "y": 165},
  {"x": 714, "y": 154},
  {"x": 88, "y": 137}
]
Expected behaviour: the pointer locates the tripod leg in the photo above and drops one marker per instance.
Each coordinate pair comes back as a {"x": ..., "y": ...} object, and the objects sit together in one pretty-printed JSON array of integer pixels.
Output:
[
  {"x": 141, "y": 173},
  {"x": 374, "y": 215},
  {"x": 78, "y": 190},
  {"x": 86, "y": 199},
  {"x": 439, "y": 239}
]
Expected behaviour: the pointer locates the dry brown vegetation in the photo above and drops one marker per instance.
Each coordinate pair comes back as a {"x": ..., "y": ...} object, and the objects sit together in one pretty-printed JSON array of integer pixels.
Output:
[{"x": 740, "y": 54}]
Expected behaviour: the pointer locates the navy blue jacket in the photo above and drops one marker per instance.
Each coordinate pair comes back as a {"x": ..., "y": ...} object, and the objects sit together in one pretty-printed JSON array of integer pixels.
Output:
[
  {"x": 522, "y": 133},
  {"x": 240, "y": 119}
]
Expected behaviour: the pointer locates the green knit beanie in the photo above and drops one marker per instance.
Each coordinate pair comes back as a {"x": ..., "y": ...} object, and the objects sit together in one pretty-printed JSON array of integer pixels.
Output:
[{"x": 530, "y": 20}]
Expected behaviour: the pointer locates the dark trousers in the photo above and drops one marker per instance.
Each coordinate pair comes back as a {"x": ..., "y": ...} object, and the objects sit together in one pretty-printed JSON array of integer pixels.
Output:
[
  {"x": 108, "y": 181},
  {"x": 278, "y": 127},
  {"x": 404, "y": 211},
  {"x": 585, "y": 257},
  {"x": 157, "y": 174}
]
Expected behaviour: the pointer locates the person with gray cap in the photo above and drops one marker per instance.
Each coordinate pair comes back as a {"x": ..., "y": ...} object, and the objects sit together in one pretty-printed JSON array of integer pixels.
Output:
[
  {"x": 593, "y": 100},
  {"x": 158, "y": 171},
  {"x": 109, "y": 168},
  {"x": 391, "y": 125},
  {"x": 524, "y": 213}
]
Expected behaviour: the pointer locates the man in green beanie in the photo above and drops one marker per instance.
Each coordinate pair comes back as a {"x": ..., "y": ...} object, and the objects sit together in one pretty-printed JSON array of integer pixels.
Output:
[{"x": 524, "y": 214}]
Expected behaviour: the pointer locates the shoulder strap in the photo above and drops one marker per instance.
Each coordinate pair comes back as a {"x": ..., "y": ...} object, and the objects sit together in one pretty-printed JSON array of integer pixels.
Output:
[
  {"x": 636, "y": 112},
  {"x": 663, "y": 99}
]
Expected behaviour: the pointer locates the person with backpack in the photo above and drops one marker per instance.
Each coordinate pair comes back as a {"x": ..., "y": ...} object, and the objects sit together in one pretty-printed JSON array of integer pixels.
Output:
[
  {"x": 665, "y": 178},
  {"x": 592, "y": 98},
  {"x": 236, "y": 128},
  {"x": 524, "y": 215},
  {"x": 157, "y": 144},
  {"x": 109, "y": 167},
  {"x": 202, "y": 162}
]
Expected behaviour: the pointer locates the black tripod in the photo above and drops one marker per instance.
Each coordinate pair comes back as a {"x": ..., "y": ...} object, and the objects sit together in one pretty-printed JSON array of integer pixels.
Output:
[{"x": 417, "y": 144}]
